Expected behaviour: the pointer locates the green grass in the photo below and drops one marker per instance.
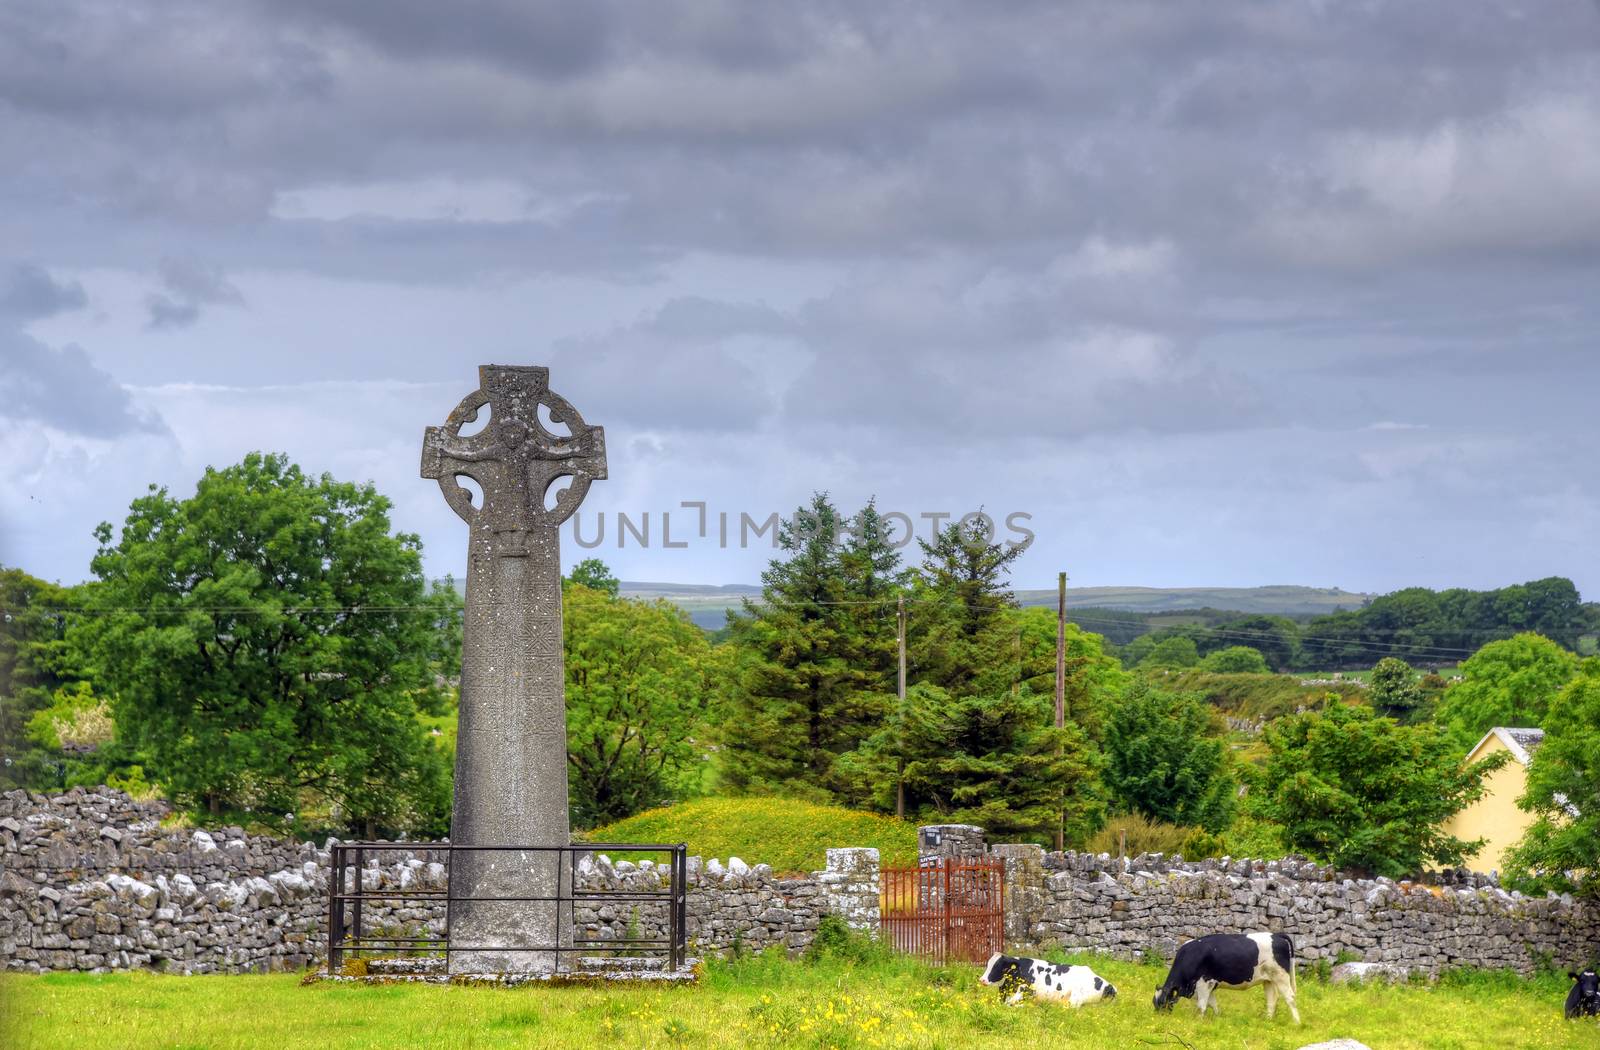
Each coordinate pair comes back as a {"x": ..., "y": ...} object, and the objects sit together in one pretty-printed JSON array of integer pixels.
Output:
[
  {"x": 764, "y": 1003},
  {"x": 790, "y": 836}
]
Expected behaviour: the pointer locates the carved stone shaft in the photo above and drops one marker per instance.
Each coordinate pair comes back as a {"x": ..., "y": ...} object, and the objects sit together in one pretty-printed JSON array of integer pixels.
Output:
[{"x": 511, "y": 744}]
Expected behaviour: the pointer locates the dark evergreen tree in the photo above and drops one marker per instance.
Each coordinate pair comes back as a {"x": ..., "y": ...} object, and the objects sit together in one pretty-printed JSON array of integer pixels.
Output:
[
  {"x": 873, "y": 579},
  {"x": 811, "y": 665},
  {"x": 995, "y": 760},
  {"x": 961, "y": 589}
]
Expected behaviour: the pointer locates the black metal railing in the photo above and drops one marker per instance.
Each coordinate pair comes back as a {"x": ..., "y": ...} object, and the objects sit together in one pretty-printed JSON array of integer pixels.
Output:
[{"x": 348, "y": 899}]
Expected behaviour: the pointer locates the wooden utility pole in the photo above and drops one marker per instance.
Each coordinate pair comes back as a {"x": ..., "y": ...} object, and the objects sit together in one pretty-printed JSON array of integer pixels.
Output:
[
  {"x": 900, "y": 691},
  {"x": 1061, "y": 686},
  {"x": 1061, "y": 651}
]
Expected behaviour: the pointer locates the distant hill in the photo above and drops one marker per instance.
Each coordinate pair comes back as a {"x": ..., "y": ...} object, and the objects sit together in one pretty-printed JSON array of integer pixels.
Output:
[
  {"x": 1281, "y": 599},
  {"x": 707, "y": 604}
]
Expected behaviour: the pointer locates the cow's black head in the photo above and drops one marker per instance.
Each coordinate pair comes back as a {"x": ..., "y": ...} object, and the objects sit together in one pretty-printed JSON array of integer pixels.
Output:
[
  {"x": 1167, "y": 995},
  {"x": 1588, "y": 990},
  {"x": 998, "y": 969},
  {"x": 1109, "y": 991}
]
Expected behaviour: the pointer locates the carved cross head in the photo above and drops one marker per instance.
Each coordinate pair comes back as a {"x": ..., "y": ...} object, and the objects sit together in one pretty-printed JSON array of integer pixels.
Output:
[{"x": 517, "y": 458}]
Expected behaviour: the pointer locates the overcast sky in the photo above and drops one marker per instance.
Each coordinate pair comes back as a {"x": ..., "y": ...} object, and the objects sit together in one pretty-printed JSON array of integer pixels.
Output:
[{"x": 1222, "y": 293}]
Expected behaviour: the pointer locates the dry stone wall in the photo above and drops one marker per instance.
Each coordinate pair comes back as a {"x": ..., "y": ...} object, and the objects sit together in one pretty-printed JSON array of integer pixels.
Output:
[
  {"x": 1129, "y": 907},
  {"x": 90, "y": 880}
]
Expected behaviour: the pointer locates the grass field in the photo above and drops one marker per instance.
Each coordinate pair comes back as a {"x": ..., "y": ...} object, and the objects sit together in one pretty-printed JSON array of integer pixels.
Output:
[
  {"x": 790, "y": 836},
  {"x": 764, "y": 1003}
]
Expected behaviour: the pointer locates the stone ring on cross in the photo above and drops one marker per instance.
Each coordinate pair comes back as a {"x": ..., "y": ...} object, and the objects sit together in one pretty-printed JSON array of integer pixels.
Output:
[{"x": 515, "y": 459}]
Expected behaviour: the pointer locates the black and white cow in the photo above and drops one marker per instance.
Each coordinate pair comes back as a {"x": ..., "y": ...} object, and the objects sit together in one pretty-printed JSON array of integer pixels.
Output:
[
  {"x": 1074, "y": 985},
  {"x": 1584, "y": 999},
  {"x": 1231, "y": 960}
]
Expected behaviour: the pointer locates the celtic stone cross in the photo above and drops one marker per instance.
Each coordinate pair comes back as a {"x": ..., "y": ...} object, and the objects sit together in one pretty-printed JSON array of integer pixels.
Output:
[{"x": 511, "y": 743}]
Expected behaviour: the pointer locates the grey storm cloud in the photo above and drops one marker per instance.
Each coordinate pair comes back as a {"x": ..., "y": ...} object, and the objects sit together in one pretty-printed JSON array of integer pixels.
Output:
[
  {"x": 62, "y": 388},
  {"x": 1254, "y": 129},
  {"x": 1252, "y": 251},
  {"x": 188, "y": 286},
  {"x": 28, "y": 291}
]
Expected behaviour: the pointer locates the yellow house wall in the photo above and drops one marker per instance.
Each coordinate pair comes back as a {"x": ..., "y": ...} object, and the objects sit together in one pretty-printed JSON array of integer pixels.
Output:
[{"x": 1494, "y": 817}]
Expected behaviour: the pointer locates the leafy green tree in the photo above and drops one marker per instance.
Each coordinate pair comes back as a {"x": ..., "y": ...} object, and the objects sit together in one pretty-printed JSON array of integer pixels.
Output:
[
  {"x": 595, "y": 575},
  {"x": 1235, "y": 659},
  {"x": 269, "y": 644},
  {"x": 1171, "y": 654},
  {"x": 1363, "y": 792},
  {"x": 1394, "y": 690},
  {"x": 640, "y": 676},
  {"x": 810, "y": 670},
  {"x": 1563, "y": 790},
  {"x": 1164, "y": 759},
  {"x": 1417, "y": 620},
  {"x": 35, "y": 662},
  {"x": 1506, "y": 683}
]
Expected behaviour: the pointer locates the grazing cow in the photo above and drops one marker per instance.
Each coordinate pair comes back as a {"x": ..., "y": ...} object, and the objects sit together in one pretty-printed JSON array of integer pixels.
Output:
[
  {"x": 1074, "y": 985},
  {"x": 1231, "y": 960},
  {"x": 1584, "y": 999}
]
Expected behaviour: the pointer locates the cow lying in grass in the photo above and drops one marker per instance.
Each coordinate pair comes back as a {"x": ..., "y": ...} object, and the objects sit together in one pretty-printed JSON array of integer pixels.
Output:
[
  {"x": 1584, "y": 999},
  {"x": 1017, "y": 976},
  {"x": 1231, "y": 960}
]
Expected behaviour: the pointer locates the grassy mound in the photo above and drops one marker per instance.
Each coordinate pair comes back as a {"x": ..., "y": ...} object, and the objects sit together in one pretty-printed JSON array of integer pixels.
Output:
[{"x": 789, "y": 835}]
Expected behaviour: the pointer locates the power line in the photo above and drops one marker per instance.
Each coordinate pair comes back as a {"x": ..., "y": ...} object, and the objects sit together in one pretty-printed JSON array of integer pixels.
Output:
[{"x": 1362, "y": 645}]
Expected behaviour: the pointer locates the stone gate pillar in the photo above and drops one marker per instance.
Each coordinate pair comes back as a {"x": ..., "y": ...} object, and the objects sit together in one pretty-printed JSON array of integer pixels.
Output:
[
  {"x": 961, "y": 841},
  {"x": 1025, "y": 891},
  {"x": 850, "y": 887}
]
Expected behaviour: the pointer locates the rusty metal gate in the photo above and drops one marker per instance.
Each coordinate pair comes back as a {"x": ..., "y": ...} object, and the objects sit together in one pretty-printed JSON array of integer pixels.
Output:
[{"x": 946, "y": 910}]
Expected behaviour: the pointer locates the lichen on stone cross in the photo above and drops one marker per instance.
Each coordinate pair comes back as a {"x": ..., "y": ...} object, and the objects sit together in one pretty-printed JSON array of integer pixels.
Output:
[{"x": 511, "y": 759}]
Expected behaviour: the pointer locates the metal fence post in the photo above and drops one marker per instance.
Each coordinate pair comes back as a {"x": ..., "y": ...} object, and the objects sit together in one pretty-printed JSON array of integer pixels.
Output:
[
  {"x": 336, "y": 911},
  {"x": 945, "y": 946},
  {"x": 356, "y": 931}
]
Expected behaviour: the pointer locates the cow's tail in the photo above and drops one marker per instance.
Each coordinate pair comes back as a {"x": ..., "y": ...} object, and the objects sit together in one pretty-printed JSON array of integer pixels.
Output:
[{"x": 1286, "y": 961}]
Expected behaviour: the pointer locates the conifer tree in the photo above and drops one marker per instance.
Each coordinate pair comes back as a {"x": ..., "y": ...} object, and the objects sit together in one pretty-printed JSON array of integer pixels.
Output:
[
  {"x": 960, "y": 591},
  {"x": 812, "y": 666},
  {"x": 975, "y": 741}
]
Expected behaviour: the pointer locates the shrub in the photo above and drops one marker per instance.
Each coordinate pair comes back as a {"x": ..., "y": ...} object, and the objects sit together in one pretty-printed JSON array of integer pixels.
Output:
[
  {"x": 1163, "y": 762},
  {"x": 1236, "y": 659},
  {"x": 836, "y": 941},
  {"x": 1153, "y": 836}
]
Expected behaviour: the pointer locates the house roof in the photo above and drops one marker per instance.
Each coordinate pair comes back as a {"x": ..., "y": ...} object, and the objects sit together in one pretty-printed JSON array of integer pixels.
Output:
[{"x": 1521, "y": 741}]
